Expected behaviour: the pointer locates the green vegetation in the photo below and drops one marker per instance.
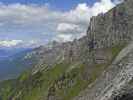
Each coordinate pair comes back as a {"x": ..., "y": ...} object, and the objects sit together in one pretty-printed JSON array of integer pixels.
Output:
[
  {"x": 70, "y": 84},
  {"x": 63, "y": 81},
  {"x": 116, "y": 49},
  {"x": 6, "y": 88}
]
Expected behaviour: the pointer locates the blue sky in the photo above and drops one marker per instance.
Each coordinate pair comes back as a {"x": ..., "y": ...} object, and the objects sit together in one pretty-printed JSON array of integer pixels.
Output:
[
  {"x": 57, "y": 4},
  {"x": 26, "y": 23}
]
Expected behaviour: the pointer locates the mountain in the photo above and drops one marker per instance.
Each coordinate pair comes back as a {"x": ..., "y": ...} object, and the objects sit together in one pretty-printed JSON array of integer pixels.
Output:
[
  {"x": 13, "y": 62},
  {"x": 6, "y": 52},
  {"x": 3, "y": 53},
  {"x": 97, "y": 66}
]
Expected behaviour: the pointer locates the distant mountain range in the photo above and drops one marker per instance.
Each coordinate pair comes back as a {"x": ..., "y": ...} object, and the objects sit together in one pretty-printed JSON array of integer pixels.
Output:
[
  {"x": 98, "y": 66},
  {"x": 7, "y": 52},
  {"x": 13, "y": 62}
]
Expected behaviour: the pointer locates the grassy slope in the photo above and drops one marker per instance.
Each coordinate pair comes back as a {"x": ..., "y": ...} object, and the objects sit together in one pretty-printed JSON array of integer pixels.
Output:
[{"x": 62, "y": 81}]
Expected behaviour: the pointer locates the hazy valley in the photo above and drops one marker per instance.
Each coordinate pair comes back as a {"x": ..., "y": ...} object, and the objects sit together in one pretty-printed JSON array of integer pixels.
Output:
[{"x": 97, "y": 66}]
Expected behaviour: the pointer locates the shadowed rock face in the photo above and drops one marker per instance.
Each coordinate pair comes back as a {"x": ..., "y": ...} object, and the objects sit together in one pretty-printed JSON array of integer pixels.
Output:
[{"x": 124, "y": 97}]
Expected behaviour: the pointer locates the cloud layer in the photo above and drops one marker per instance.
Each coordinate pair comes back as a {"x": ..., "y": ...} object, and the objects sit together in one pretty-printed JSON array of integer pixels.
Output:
[
  {"x": 9, "y": 43},
  {"x": 33, "y": 22}
]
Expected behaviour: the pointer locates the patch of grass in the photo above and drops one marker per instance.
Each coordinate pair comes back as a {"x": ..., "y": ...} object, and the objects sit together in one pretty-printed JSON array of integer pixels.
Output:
[
  {"x": 96, "y": 71},
  {"x": 78, "y": 83},
  {"x": 34, "y": 87},
  {"x": 131, "y": 82},
  {"x": 116, "y": 49},
  {"x": 6, "y": 88},
  {"x": 71, "y": 84},
  {"x": 24, "y": 76}
]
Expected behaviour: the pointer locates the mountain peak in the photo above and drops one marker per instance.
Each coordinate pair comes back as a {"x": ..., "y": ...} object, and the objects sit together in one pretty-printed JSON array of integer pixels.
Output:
[{"x": 97, "y": 66}]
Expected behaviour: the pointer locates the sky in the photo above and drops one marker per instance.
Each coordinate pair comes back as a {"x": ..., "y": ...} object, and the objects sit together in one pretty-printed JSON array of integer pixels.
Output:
[{"x": 27, "y": 23}]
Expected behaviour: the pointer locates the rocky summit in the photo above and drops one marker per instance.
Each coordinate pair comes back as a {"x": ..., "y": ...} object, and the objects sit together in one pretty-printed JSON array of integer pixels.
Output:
[{"x": 98, "y": 66}]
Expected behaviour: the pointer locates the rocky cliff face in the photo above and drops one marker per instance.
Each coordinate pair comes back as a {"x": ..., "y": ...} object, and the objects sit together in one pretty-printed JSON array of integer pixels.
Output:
[
  {"x": 106, "y": 30},
  {"x": 96, "y": 67},
  {"x": 112, "y": 27},
  {"x": 115, "y": 81}
]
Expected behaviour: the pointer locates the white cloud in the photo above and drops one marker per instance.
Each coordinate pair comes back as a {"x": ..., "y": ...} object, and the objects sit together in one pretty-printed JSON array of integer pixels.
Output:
[
  {"x": 10, "y": 43},
  {"x": 63, "y": 37},
  {"x": 18, "y": 43},
  {"x": 77, "y": 20},
  {"x": 29, "y": 19},
  {"x": 64, "y": 27},
  {"x": 68, "y": 27},
  {"x": 102, "y": 7}
]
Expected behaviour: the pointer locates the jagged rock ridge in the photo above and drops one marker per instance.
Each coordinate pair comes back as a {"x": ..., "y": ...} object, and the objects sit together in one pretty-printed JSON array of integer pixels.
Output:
[{"x": 95, "y": 67}]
